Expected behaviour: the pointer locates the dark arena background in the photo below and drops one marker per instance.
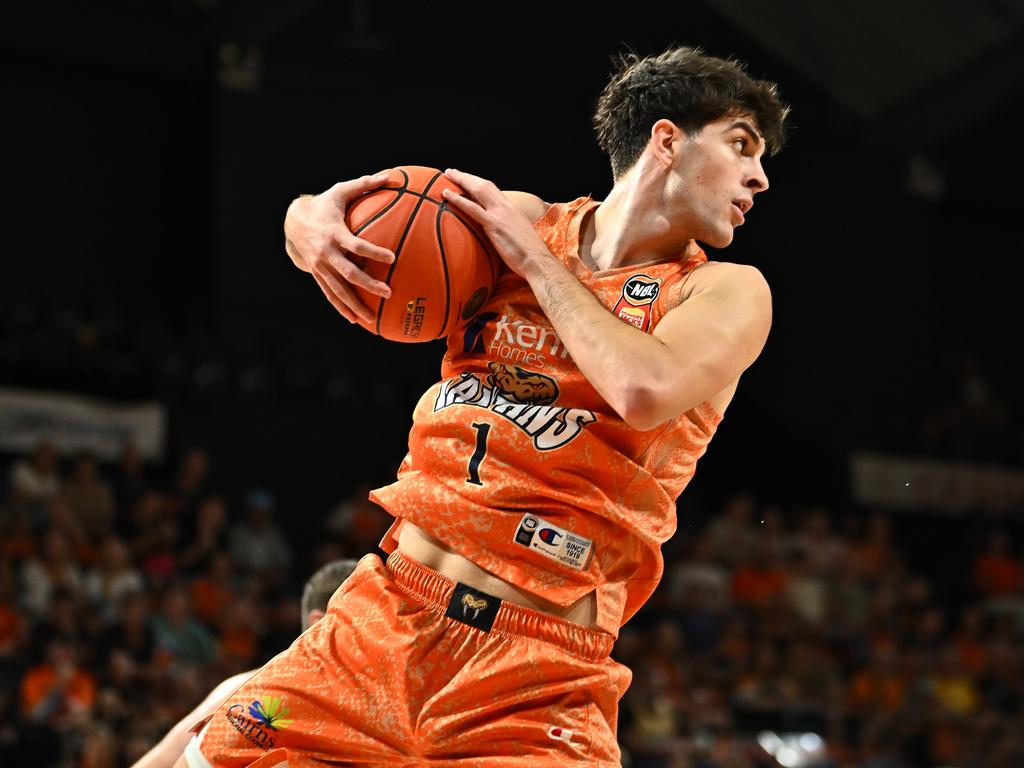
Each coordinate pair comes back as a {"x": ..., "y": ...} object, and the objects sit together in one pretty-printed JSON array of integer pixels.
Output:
[{"x": 188, "y": 429}]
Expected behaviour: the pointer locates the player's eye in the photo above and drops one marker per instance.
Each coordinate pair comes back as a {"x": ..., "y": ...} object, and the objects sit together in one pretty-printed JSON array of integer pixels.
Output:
[{"x": 740, "y": 143}]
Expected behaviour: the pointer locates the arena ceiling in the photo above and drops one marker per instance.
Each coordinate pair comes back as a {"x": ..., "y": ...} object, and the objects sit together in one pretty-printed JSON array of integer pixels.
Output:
[{"x": 897, "y": 68}]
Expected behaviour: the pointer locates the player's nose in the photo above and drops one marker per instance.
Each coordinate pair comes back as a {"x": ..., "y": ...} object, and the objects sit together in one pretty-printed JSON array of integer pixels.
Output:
[{"x": 757, "y": 179}]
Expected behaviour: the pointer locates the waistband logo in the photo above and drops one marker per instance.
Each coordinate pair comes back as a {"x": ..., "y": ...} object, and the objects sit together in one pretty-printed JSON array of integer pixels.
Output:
[{"x": 474, "y": 604}]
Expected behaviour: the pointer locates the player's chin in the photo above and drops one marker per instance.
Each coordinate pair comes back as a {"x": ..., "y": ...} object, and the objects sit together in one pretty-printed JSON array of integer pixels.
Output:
[{"x": 720, "y": 237}]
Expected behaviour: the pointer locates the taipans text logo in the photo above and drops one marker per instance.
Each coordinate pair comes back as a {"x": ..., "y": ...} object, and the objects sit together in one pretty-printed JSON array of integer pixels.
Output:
[
  {"x": 524, "y": 398},
  {"x": 261, "y": 722},
  {"x": 514, "y": 341},
  {"x": 639, "y": 293}
]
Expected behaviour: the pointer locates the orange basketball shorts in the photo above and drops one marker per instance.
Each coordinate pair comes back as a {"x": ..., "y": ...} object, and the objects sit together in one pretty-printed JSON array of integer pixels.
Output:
[{"x": 410, "y": 668}]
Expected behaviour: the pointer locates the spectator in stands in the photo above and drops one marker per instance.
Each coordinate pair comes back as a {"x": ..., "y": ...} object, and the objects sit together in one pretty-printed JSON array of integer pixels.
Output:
[
  {"x": 208, "y": 537},
  {"x": 34, "y": 482},
  {"x": 54, "y": 570},
  {"x": 995, "y": 570},
  {"x": 89, "y": 496},
  {"x": 732, "y": 532},
  {"x": 113, "y": 578},
  {"x": 257, "y": 543},
  {"x": 179, "y": 636},
  {"x": 57, "y": 693}
]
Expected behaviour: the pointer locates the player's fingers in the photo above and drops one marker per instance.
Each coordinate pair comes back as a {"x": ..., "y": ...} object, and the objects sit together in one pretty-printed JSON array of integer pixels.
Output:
[
  {"x": 464, "y": 204},
  {"x": 343, "y": 292},
  {"x": 364, "y": 248},
  {"x": 477, "y": 186},
  {"x": 354, "y": 275},
  {"x": 344, "y": 191}
]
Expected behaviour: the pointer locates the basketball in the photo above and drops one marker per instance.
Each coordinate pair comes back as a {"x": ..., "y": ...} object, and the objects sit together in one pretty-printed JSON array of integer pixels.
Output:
[{"x": 444, "y": 268}]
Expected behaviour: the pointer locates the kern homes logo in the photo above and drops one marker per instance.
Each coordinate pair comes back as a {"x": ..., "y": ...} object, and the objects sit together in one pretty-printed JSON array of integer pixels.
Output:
[
  {"x": 514, "y": 341},
  {"x": 509, "y": 386},
  {"x": 638, "y": 296}
]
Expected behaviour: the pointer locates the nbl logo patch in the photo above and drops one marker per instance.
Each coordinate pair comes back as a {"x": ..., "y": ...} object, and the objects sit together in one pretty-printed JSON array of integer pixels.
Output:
[{"x": 639, "y": 293}]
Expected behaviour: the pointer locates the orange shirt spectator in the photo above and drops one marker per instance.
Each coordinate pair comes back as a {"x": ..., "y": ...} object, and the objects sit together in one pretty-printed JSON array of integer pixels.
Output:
[
  {"x": 57, "y": 688},
  {"x": 878, "y": 687},
  {"x": 995, "y": 570},
  {"x": 761, "y": 580}
]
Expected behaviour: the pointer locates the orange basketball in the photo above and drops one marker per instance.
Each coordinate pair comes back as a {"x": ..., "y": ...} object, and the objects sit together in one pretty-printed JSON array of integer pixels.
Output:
[{"x": 444, "y": 268}]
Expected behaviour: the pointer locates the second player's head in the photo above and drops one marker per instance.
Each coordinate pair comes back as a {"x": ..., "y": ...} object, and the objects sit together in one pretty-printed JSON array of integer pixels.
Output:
[{"x": 320, "y": 587}]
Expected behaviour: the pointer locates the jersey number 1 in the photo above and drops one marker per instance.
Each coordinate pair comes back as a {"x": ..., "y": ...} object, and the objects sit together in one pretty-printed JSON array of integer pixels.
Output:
[{"x": 479, "y": 453}]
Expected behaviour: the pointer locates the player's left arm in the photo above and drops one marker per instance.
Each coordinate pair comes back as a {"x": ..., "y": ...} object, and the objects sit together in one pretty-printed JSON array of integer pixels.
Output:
[
  {"x": 173, "y": 744},
  {"x": 698, "y": 348}
]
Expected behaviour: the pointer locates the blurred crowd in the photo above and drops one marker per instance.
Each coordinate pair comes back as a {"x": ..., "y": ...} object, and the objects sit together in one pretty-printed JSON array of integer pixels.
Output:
[
  {"x": 126, "y": 594},
  {"x": 770, "y": 623}
]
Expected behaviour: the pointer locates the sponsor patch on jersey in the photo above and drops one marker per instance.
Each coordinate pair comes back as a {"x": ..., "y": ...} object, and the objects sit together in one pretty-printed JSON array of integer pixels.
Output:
[
  {"x": 639, "y": 293},
  {"x": 554, "y": 542}
]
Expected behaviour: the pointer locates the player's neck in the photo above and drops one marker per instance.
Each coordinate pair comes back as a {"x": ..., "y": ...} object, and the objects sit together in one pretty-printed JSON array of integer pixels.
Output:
[{"x": 630, "y": 226}]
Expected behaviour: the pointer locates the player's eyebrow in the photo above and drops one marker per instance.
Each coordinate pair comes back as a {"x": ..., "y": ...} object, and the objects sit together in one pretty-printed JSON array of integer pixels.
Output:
[{"x": 746, "y": 126}]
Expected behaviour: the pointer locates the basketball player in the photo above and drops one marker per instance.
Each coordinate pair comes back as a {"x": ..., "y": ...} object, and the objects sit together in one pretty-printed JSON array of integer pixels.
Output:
[
  {"x": 315, "y": 596},
  {"x": 543, "y": 469}
]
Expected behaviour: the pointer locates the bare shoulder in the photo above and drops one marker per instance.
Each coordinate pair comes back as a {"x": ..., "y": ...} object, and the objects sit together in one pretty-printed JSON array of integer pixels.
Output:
[
  {"x": 530, "y": 205},
  {"x": 726, "y": 276}
]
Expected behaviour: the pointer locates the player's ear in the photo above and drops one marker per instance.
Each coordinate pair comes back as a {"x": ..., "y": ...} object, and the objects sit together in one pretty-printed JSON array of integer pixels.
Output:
[
  {"x": 314, "y": 616},
  {"x": 664, "y": 134}
]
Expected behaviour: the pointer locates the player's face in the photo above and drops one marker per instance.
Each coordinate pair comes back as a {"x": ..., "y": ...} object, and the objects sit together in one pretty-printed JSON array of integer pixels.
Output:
[{"x": 716, "y": 176}]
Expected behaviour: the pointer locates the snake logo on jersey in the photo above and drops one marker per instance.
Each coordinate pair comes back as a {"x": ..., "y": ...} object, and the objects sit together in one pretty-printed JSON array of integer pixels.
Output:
[{"x": 523, "y": 397}]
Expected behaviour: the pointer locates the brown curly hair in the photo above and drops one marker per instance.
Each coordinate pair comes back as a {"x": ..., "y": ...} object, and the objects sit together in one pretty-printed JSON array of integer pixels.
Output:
[{"x": 686, "y": 86}]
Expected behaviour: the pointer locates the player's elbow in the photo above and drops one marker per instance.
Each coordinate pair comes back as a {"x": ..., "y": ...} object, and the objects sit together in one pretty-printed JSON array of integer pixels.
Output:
[
  {"x": 651, "y": 404},
  {"x": 642, "y": 408}
]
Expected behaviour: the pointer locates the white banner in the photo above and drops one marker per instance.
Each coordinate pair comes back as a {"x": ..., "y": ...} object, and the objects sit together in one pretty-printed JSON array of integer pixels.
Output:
[
  {"x": 935, "y": 485},
  {"x": 74, "y": 422}
]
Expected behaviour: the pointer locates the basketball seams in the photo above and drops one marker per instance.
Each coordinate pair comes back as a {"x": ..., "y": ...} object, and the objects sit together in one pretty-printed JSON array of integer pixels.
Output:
[
  {"x": 400, "y": 190},
  {"x": 405, "y": 234},
  {"x": 397, "y": 222},
  {"x": 444, "y": 265}
]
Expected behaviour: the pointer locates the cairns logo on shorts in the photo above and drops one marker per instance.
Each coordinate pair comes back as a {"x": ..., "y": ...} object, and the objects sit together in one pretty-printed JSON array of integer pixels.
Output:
[
  {"x": 638, "y": 296},
  {"x": 523, "y": 397},
  {"x": 260, "y": 724}
]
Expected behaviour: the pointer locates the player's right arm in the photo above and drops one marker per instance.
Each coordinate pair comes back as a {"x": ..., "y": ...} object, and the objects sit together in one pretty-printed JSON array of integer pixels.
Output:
[{"x": 319, "y": 242}]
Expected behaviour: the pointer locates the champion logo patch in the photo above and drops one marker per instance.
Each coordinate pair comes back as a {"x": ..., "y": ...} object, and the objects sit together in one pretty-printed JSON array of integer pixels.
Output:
[
  {"x": 549, "y": 535},
  {"x": 548, "y": 539},
  {"x": 639, "y": 293}
]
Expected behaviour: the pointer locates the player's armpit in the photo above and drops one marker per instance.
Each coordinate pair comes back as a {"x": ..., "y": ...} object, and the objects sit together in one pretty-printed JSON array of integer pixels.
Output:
[
  {"x": 709, "y": 340},
  {"x": 529, "y": 205}
]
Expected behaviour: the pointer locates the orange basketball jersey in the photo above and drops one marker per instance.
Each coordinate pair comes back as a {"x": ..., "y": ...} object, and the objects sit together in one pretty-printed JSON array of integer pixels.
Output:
[{"x": 517, "y": 463}]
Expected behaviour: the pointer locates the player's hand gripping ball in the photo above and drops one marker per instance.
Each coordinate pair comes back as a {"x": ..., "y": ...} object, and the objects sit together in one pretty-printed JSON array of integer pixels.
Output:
[{"x": 444, "y": 269}]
